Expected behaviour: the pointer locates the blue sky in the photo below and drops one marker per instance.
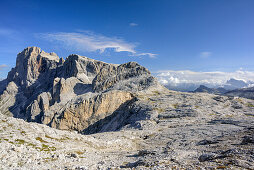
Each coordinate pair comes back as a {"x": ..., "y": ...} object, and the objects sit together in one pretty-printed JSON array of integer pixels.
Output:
[{"x": 196, "y": 35}]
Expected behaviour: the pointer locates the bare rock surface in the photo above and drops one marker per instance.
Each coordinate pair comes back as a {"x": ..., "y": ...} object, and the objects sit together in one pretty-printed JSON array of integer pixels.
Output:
[
  {"x": 125, "y": 119},
  {"x": 168, "y": 130},
  {"x": 69, "y": 94}
]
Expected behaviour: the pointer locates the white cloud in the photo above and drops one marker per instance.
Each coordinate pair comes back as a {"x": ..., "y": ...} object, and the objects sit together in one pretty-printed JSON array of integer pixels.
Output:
[
  {"x": 133, "y": 24},
  {"x": 3, "y": 66},
  {"x": 91, "y": 42},
  {"x": 170, "y": 77},
  {"x": 88, "y": 42},
  {"x": 150, "y": 55},
  {"x": 205, "y": 54}
]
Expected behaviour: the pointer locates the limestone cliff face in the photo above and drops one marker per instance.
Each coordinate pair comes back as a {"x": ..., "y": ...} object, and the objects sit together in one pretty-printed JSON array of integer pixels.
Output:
[
  {"x": 70, "y": 94},
  {"x": 79, "y": 116}
]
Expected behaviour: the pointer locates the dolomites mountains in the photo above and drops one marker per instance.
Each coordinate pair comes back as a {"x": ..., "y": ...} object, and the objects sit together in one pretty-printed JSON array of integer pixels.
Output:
[
  {"x": 72, "y": 94},
  {"x": 80, "y": 113}
]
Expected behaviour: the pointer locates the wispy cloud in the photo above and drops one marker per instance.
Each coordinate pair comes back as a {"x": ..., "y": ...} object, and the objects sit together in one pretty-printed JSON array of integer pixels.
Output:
[
  {"x": 132, "y": 24},
  {"x": 90, "y": 42},
  {"x": 3, "y": 66},
  {"x": 171, "y": 77},
  {"x": 205, "y": 54},
  {"x": 150, "y": 55}
]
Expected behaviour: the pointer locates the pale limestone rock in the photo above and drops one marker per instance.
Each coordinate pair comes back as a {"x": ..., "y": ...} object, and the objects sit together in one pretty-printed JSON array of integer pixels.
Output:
[
  {"x": 34, "y": 110},
  {"x": 74, "y": 93},
  {"x": 78, "y": 116}
]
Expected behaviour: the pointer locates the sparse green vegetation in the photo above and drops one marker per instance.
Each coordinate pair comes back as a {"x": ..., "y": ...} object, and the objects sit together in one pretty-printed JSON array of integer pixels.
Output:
[
  {"x": 80, "y": 152},
  {"x": 50, "y": 137},
  {"x": 47, "y": 148},
  {"x": 250, "y": 105},
  {"x": 31, "y": 144},
  {"x": 41, "y": 140},
  {"x": 19, "y": 141},
  {"x": 49, "y": 159}
]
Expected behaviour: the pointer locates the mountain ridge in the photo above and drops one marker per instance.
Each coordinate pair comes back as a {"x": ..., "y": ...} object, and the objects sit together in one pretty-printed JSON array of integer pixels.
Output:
[{"x": 42, "y": 86}]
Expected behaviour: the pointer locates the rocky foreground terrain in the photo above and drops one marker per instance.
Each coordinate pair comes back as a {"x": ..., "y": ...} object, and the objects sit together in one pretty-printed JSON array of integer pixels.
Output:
[{"x": 86, "y": 114}]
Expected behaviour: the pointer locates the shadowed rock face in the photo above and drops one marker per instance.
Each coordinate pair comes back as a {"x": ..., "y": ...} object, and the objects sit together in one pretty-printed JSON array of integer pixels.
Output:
[
  {"x": 69, "y": 94},
  {"x": 244, "y": 92}
]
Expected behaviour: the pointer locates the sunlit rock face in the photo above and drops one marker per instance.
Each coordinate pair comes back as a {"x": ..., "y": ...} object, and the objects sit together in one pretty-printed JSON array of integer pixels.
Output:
[{"x": 69, "y": 94}]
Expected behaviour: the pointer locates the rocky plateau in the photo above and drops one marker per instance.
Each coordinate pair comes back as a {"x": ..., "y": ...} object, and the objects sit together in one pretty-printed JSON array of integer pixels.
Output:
[{"x": 81, "y": 113}]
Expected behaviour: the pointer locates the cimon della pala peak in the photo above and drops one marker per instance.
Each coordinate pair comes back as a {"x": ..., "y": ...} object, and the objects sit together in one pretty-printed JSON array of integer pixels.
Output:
[{"x": 81, "y": 113}]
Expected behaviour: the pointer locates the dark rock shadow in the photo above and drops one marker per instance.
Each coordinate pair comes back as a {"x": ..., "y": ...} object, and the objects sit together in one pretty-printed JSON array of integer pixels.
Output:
[
  {"x": 80, "y": 88},
  {"x": 113, "y": 122},
  {"x": 26, "y": 96}
]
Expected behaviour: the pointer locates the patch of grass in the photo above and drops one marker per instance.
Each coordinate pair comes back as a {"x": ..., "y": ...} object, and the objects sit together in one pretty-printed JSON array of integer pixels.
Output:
[
  {"x": 250, "y": 105},
  {"x": 41, "y": 140},
  {"x": 49, "y": 159},
  {"x": 23, "y": 132},
  {"x": 47, "y": 148},
  {"x": 31, "y": 144},
  {"x": 80, "y": 152},
  {"x": 250, "y": 115},
  {"x": 221, "y": 167},
  {"x": 20, "y": 141},
  {"x": 50, "y": 137}
]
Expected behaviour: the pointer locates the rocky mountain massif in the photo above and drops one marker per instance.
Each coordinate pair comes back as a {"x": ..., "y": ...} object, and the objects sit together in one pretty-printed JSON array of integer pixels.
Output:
[
  {"x": 71, "y": 94},
  {"x": 132, "y": 121}
]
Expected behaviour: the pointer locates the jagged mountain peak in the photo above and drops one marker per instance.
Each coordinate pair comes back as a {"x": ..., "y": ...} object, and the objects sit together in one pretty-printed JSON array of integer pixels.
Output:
[
  {"x": 31, "y": 64},
  {"x": 31, "y": 52},
  {"x": 46, "y": 89}
]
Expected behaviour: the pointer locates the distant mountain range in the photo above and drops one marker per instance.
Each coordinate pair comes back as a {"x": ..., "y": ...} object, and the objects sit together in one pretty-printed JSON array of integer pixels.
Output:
[
  {"x": 231, "y": 84},
  {"x": 205, "y": 89},
  {"x": 232, "y": 87},
  {"x": 244, "y": 92},
  {"x": 241, "y": 92}
]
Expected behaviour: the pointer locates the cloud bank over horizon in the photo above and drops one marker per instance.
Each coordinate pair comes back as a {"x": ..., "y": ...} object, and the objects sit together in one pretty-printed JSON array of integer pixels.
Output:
[
  {"x": 213, "y": 79},
  {"x": 88, "y": 41}
]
